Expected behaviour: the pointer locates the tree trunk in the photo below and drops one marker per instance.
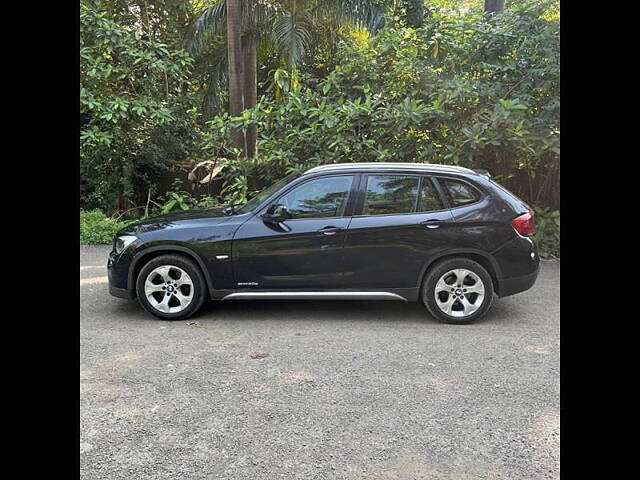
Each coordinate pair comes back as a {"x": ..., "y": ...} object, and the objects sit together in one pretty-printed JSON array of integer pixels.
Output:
[
  {"x": 414, "y": 13},
  {"x": 493, "y": 6},
  {"x": 250, "y": 91},
  {"x": 236, "y": 84}
]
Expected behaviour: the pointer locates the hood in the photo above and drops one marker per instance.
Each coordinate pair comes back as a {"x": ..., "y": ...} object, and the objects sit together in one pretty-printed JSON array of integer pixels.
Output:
[{"x": 179, "y": 219}]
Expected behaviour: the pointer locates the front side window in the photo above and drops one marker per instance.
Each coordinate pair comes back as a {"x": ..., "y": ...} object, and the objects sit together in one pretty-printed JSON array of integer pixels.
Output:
[
  {"x": 389, "y": 194},
  {"x": 266, "y": 193},
  {"x": 461, "y": 193},
  {"x": 323, "y": 197}
]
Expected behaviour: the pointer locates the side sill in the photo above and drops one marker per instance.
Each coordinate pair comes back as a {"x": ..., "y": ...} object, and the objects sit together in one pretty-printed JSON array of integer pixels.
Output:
[{"x": 299, "y": 295}]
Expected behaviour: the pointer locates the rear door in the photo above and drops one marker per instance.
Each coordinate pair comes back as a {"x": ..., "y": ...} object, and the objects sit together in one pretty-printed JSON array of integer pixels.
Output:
[{"x": 400, "y": 221}]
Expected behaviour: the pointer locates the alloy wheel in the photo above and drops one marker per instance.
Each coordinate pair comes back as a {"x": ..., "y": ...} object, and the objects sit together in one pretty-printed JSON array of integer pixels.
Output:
[
  {"x": 459, "y": 292},
  {"x": 169, "y": 289}
]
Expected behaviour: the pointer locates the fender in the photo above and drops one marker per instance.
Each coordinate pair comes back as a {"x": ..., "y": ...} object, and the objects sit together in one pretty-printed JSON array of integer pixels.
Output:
[
  {"x": 131, "y": 282},
  {"x": 462, "y": 251}
]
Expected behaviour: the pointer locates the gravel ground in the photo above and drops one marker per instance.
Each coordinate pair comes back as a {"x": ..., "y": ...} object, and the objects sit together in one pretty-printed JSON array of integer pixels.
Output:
[{"x": 349, "y": 390}]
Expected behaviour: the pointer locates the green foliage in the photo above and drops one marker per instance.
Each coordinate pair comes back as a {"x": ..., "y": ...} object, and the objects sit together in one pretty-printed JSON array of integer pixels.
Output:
[
  {"x": 185, "y": 201},
  {"x": 207, "y": 201},
  {"x": 176, "y": 201},
  {"x": 547, "y": 233},
  {"x": 461, "y": 90},
  {"x": 97, "y": 228},
  {"x": 134, "y": 107},
  {"x": 286, "y": 31}
]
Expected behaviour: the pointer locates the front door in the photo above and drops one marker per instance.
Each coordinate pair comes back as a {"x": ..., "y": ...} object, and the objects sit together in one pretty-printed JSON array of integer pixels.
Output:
[
  {"x": 304, "y": 251},
  {"x": 399, "y": 223}
]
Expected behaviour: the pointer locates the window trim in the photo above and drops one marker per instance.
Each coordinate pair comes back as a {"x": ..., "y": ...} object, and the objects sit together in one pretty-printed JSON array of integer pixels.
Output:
[
  {"x": 348, "y": 209},
  {"x": 359, "y": 206}
]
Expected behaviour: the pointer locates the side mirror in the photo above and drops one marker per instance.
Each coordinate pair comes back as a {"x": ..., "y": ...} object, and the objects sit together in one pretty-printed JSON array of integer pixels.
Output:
[{"x": 276, "y": 213}]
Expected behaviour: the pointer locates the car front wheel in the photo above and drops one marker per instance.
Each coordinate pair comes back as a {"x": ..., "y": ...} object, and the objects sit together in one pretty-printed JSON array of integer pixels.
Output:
[
  {"x": 171, "y": 287},
  {"x": 457, "y": 290}
]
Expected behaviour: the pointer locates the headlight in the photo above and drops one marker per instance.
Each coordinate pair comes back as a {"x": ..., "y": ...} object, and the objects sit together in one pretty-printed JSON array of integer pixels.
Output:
[{"x": 122, "y": 242}]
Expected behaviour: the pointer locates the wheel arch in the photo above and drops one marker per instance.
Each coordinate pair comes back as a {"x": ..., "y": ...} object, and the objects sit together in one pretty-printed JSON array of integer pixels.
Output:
[
  {"x": 483, "y": 258},
  {"x": 143, "y": 257}
]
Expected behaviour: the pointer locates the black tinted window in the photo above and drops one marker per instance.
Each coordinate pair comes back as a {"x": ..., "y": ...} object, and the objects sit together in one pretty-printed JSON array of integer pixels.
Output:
[
  {"x": 324, "y": 197},
  {"x": 461, "y": 193},
  {"x": 390, "y": 194},
  {"x": 429, "y": 199}
]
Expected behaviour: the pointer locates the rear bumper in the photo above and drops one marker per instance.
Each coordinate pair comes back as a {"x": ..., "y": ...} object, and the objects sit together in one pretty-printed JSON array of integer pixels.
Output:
[
  {"x": 519, "y": 266},
  {"x": 511, "y": 286}
]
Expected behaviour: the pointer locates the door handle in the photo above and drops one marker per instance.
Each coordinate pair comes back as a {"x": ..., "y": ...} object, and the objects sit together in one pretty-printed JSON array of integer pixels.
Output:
[
  {"x": 434, "y": 223},
  {"x": 329, "y": 230}
]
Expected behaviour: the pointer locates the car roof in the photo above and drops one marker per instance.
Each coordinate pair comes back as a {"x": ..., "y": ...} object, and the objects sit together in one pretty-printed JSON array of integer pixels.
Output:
[{"x": 398, "y": 166}]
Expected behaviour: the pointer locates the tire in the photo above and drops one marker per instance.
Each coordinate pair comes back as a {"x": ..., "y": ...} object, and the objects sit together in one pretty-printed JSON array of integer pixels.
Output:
[
  {"x": 185, "y": 294},
  {"x": 446, "y": 301}
]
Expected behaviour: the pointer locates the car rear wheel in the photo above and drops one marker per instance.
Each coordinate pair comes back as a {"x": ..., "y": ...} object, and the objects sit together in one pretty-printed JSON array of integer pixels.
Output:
[
  {"x": 171, "y": 287},
  {"x": 457, "y": 290}
]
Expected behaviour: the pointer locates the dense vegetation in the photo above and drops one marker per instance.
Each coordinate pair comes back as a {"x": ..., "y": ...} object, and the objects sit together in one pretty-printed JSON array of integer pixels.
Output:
[
  {"x": 437, "y": 81},
  {"x": 96, "y": 228}
]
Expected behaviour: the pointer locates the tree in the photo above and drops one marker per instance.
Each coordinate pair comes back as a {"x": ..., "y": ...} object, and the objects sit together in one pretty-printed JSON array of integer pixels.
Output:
[
  {"x": 414, "y": 12},
  {"x": 285, "y": 25},
  {"x": 236, "y": 79},
  {"x": 134, "y": 98},
  {"x": 493, "y": 6}
]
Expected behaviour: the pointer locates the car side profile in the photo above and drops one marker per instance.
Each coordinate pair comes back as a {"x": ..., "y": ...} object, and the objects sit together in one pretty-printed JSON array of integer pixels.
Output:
[{"x": 447, "y": 236}]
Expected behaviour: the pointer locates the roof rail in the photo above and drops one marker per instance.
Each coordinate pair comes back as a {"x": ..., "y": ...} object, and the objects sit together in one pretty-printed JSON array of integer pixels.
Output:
[
  {"x": 389, "y": 165},
  {"x": 482, "y": 172}
]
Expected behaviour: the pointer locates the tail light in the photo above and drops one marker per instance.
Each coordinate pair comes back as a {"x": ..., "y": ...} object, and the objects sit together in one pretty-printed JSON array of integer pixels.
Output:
[{"x": 524, "y": 224}]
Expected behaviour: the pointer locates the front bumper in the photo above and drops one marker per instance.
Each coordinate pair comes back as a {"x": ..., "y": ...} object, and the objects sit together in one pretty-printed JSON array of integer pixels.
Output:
[
  {"x": 118, "y": 272},
  {"x": 119, "y": 292}
]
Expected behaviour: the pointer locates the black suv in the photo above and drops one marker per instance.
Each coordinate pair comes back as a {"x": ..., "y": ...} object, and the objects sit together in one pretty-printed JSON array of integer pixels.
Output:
[{"x": 448, "y": 236}]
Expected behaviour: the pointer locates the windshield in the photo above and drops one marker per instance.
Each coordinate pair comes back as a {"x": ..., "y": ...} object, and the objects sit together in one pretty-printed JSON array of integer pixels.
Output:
[{"x": 266, "y": 193}]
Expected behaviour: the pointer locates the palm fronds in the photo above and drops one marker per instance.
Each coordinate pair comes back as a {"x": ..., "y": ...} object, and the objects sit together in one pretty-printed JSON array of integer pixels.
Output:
[
  {"x": 291, "y": 34},
  {"x": 206, "y": 25}
]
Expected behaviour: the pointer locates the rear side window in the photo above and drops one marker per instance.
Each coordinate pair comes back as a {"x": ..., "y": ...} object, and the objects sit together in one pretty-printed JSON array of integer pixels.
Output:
[
  {"x": 429, "y": 199},
  {"x": 388, "y": 194},
  {"x": 460, "y": 193}
]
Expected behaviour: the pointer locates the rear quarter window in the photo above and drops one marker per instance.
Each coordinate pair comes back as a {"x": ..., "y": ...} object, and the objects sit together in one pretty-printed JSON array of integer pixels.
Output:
[{"x": 460, "y": 193}]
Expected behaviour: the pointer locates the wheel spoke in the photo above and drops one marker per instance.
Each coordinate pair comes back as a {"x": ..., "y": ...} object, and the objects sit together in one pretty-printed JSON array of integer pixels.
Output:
[
  {"x": 163, "y": 272},
  {"x": 184, "y": 280},
  {"x": 183, "y": 299},
  {"x": 446, "y": 306},
  {"x": 468, "y": 307},
  {"x": 152, "y": 287},
  {"x": 477, "y": 288},
  {"x": 163, "y": 305},
  {"x": 442, "y": 286},
  {"x": 460, "y": 274}
]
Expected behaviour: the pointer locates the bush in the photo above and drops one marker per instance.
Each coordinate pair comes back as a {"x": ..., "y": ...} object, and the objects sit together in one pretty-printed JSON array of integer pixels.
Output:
[
  {"x": 97, "y": 228},
  {"x": 135, "y": 108},
  {"x": 547, "y": 233}
]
